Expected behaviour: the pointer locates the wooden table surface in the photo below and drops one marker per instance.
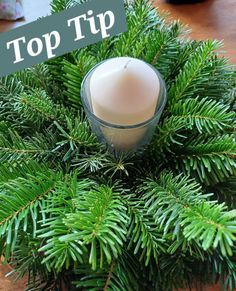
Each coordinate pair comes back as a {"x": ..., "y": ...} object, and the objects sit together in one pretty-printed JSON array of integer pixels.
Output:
[{"x": 210, "y": 19}]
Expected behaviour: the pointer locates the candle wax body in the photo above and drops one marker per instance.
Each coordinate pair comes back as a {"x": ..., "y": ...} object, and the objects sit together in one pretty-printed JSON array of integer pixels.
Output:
[{"x": 124, "y": 91}]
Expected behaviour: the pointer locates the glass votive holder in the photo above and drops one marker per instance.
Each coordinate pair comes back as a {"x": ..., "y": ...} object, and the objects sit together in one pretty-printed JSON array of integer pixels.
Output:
[{"x": 122, "y": 140}]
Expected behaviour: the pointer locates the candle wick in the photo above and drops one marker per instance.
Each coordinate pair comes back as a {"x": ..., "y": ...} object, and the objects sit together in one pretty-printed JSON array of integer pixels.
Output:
[{"x": 126, "y": 65}]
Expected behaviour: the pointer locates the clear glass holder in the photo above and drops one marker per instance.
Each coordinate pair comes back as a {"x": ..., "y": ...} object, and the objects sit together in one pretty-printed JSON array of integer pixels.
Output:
[{"x": 122, "y": 140}]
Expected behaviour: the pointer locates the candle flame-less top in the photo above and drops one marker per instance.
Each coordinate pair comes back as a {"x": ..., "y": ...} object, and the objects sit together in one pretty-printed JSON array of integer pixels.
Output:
[{"x": 124, "y": 91}]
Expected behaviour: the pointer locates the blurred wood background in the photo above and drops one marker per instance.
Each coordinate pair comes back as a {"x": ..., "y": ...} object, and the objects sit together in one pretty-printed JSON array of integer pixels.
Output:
[{"x": 209, "y": 19}]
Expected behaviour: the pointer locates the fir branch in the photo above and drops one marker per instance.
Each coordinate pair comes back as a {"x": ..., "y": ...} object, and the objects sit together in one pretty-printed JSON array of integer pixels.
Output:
[
  {"x": 226, "y": 192},
  {"x": 168, "y": 136},
  {"x": 231, "y": 96},
  {"x": 158, "y": 45},
  {"x": 191, "y": 78},
  {"x": 13, "y": 147},
  {"x": 40, "y": 192},
  {"x": 73, "y": 74},
  {"x": 105, "y": 163},
  {"x": 22, "y": 198},
  {"x": 37, "y": 77},
  {"x": 91, "y": 163},
  {"x": 178, "y": 29},
  {"x": 179, "y": 271},
  {"x": 221, "y": 77},
  {"x": 109, "y": 277},
  {"x": 100, "y": 221},
  {"x": 36, "y": 106},
  {"x": 101, "y": 50},
  {"x": 119, "y": 275},
  {"x": 27, "y": 261},
  {"x": 140, "y": 17},
  {"x": 118, "y": 166},
  {"x": 206, "y": 115},
  {"x": 57, "y": 251},
  {"x": 179, "y": 201},
  {"x": 167, "y": 197},
  {"x": 211, "y": 160},
  {"x": 222, "y": 268},
  {"x": 9, "y": 171},
  {"x": 144, "y": 234},
  {"x": 75, "y": 136},
  {"x": 185, "y": 48},
  {"x": 60, "y": 5},
  {"x": 212, "y": 224},
  {"x": 9, "y": 87}
]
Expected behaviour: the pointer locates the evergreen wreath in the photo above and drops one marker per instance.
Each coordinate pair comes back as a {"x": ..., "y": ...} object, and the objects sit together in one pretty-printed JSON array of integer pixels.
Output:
[{"x": 74, "y": 217}]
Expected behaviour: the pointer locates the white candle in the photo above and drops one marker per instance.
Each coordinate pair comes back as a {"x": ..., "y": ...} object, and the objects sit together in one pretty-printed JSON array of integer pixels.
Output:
[{"x": 124, "y": 91}]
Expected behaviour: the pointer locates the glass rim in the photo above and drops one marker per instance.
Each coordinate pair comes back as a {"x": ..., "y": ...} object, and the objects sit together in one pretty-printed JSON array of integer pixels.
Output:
[{"x": 163, "y": 93}]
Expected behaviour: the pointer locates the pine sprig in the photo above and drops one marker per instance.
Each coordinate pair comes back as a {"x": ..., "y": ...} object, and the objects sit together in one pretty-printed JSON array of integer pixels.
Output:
[
  {"x": 60, "y": 5},
  {"x": 190, "y": 210},
  {"x": 193, "y": 76},
  {"x": 13, "y": 147},
  {"x": 145, "y": 236},
  {"x": 23, "y": 199},
  {"x": 74, "y": 136},
  {"x": 168, "y": 136},
  {"x": 58, "y": 252},
  {"x": 211, "y": 161},
  {"x": 9, "y": 87},
  {"x": 212, "y": 224},
  {"x": 37, "y": 77},
  {"x": 206, "y": 115},
  {"x": 165, "y": 203},
  {"x": 111, "y": 277},
  {"x": 100, "y": 221},
  {"x": 73, "y": 74},
  {"x": 36, "y": 106},
  {"x": 11, "y": 171},
  {"x": 159, "y": 44}
]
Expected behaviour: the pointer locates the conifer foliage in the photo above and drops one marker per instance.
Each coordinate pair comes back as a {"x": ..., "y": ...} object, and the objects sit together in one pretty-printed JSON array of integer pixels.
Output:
[{"x": 73, "y": 217}]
